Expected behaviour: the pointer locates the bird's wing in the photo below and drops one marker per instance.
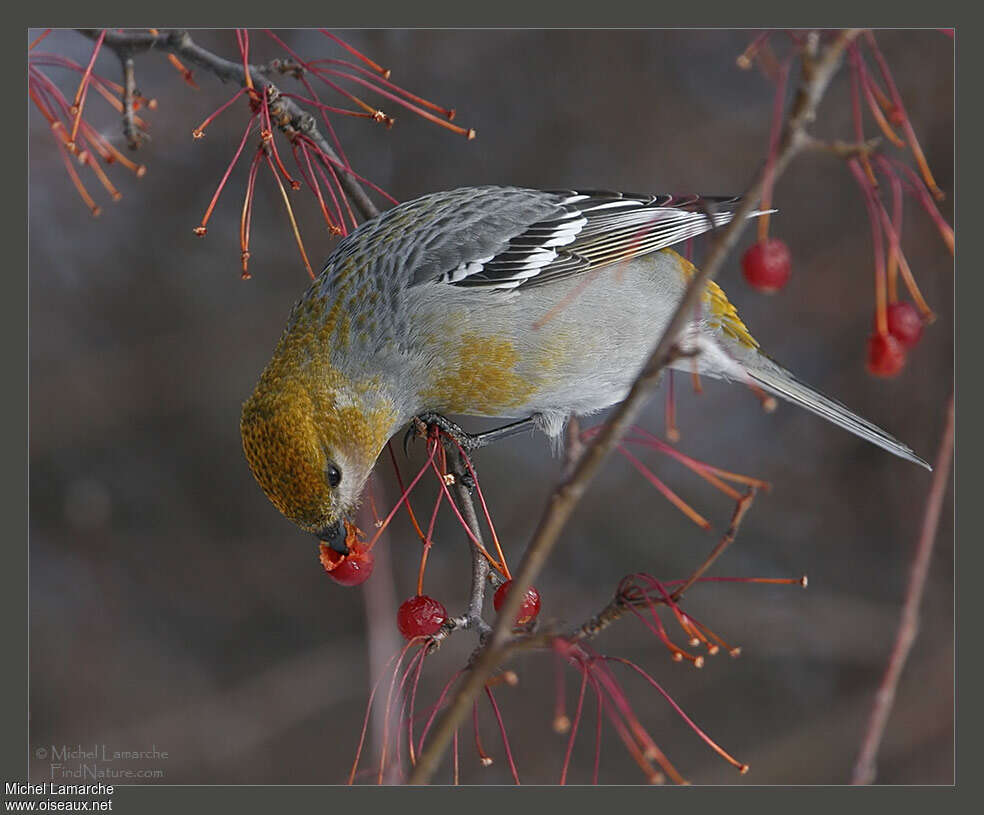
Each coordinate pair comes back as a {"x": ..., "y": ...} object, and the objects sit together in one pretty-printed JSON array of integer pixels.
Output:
[{"x": 587, "y": 230}]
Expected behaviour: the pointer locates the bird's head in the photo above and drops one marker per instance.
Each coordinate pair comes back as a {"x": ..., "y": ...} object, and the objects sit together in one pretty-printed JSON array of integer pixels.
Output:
[{"x": 311, "y": 444}]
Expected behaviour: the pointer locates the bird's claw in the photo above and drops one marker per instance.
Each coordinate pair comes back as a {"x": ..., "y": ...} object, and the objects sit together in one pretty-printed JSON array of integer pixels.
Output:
[
  {"x": 417, "y": 429},
  {"x": 421, "y": 425}
]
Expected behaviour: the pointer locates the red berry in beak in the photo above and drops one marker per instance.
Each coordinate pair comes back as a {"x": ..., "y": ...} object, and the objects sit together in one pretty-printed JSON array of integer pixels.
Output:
[{"x": 348, "y": 569}]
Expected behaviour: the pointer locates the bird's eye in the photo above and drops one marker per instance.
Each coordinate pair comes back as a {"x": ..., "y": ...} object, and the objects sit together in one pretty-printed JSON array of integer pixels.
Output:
[{"x": 333, "y": 475}]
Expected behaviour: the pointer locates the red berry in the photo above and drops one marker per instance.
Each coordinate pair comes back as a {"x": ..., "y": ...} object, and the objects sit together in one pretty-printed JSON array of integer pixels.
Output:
[
  {"x": 420, "y": 616},
  {"x": 886, "y": 355},
  {"x": 904, "y": 323},
  {"x": 767, "y": 265},
  {"x": 529, "y": 608},
  {"x": 347, "y": 570}
]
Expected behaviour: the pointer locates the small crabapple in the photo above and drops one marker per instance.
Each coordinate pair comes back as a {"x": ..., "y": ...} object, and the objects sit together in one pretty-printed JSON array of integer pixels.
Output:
[
  {"x": 529, "y": 608},
  {"x": 352, "y": 568},
  {"x": 886, "y": 355},
  {"x": 767, "y": 265},
  {"x": 904, "y": 323},
  {"x": 420, "y": 616}
]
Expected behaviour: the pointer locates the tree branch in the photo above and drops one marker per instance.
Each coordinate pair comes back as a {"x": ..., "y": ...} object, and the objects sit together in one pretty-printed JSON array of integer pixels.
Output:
[
  {"x": 864, "y": 768},
  {"x": 817, "y": 73},
  {"x": 284, "y": 112},
  {"x": 843, "y": 149},
  {"x": 133, "y": 134},
  {"x": 480, "y": 565}
]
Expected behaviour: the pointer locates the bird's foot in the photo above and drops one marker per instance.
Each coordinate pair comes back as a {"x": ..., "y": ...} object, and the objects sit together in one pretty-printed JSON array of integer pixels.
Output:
[{"x": 422, "y": 423}]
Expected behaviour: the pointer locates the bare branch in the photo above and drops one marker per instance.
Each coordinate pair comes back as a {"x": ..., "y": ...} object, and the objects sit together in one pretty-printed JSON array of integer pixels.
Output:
[
  {"x": 573, "y": 445},
  {"x": 480, "y": 564},
  {"x": 133, "y": 134},
  {"x": 864, "y": 768},
  {"x": 818, "y": 69},
  {"x": 284, "y": 112},
  {"x": 843, "y": 149}
]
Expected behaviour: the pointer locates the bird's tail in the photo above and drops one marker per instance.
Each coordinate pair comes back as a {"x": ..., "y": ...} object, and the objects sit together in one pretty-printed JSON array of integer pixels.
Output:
[{"x": 780, "y": 382}]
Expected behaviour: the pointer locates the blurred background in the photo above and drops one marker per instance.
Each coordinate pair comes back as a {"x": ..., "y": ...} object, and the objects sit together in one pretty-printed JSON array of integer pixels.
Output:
[{"x": 171, "y": 605}]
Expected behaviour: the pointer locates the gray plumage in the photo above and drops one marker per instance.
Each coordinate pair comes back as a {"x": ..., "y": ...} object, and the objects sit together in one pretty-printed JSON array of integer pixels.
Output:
[{"x": 561, "y": 293}]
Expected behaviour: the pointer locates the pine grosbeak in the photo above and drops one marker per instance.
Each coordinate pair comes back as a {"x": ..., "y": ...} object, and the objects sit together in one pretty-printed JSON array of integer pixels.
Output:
[{"x": 488, "y": 301}]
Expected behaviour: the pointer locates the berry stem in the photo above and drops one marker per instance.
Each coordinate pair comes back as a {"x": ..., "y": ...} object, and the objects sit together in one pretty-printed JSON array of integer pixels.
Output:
[
  {"x": 485, "y": 508},
  {"x": 922, "y": 194},
  {"x": 483, "y": 757},
  {"x": 869, "y": 88},
  {"x": 312, "y": 181},
  {"x": 502, "y": 732},
  {"x": 201, "y": 228},
  {"x": 247, "y": 213},
  {"x": 436, "y": 707},
  {"x": 475, "y": 541},
  {"x": 468, "y": 133},
  {"x": 775, "y": 129},
  {"x": 242, "y": 38},
  {"x": 910, "y": 280},
  {"x": 290, "y": 214},
  {"x": 454, "y": 759},
  {"x": 667, "y": 493},
  {"x": 742, "y": 768},
  {"x": 82, "y": 92},
  {"x": 199, "y": 131},
  {"x": 383, "y": 72},
  {"x": 574, "y": 727},
  {"x": 94, "y": 208},
  {"x": 402, "y": 498},
  {"x": 428, "y": 543},
  {"x": 744, "y": 60},
  {"x": 881, "y": 304},
  {"x": 449, "y": 113},
  {"x": 38, "y": 39},
  {"x": 910, "y": 134},
  {"x": 365, "y": 721},
  {"x": 855, "y": 71},
  {"x": 671, "y": 429}
]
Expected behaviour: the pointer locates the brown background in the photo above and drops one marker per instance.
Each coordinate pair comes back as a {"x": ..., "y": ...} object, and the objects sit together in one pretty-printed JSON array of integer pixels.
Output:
[{"x": 172, "y": 605}]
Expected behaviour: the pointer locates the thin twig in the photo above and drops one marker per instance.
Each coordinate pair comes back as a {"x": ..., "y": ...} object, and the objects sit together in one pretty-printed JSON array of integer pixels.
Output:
[
  {"x": 480, "y": 564},
  {"x": 383, "y": 639},
  {"x": 816, "y": 76},
  {"x": 131, "y": 131},
  {"x": 573, "y": 446},
  {"x": 744, "y": 503},
  {"x": 843, "y": 149},
  {"x": 864, "y": 768},
  {"x": 286, "y": 114}
]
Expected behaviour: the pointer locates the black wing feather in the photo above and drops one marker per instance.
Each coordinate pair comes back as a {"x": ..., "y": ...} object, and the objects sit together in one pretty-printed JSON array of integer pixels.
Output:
[{"x": 591, "y": 229}]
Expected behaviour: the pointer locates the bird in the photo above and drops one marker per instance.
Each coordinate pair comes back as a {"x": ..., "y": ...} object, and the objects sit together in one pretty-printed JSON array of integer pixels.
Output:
[{"x": 490, "y": 301}]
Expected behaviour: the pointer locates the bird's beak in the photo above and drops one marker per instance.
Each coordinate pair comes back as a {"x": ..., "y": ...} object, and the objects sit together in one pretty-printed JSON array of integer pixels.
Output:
[{"x": 334, "y": 536}]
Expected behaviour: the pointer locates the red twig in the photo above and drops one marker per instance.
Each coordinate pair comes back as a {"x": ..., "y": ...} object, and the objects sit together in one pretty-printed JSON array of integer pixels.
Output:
[
  {"x": 906, "y": 123},
  {"x": 502, "y": 731},
  {"x": 864, "y": 767},
  {"x": 202, "y": 228},
  {"x": 40, "y": 37},
  {"x": 83, "y": 90},
  {"x": 574, "y": 727},
  {"x": 384, "y": 72},
  {"x": 775, "y": 131}
]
